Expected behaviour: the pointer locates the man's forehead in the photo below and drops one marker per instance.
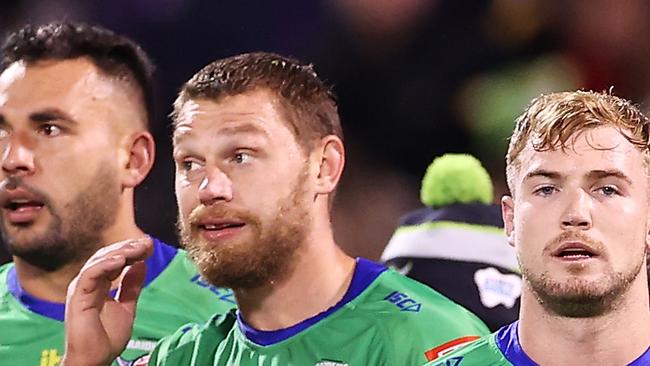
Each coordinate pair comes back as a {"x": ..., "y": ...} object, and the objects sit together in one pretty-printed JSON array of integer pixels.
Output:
[
  {"x": 55, "y": 78},
  {"x": 245, "y": 112},
  {"x": 580, "y": 160},
  {"x": 186, "y": 116},
  {"x": 75, "y": 86},
  {"x": 12, "y": 73}
]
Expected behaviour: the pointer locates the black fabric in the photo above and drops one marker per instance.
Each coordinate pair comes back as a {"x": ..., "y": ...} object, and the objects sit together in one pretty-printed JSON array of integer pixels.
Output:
[{"x": 471, "y": 213}]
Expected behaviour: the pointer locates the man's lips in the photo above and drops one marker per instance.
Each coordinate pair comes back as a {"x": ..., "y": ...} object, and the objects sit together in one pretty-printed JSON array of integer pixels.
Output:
[
  {"x": 218, "y": 229},
  {"x": 20, "y": 205},
  {"x": 575, "y": 250},
  {"x": 215, "y": 225}
]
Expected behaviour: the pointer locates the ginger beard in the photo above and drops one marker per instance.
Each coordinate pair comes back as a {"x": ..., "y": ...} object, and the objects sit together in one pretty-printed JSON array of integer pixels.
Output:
[
  {"x": 74, "y": 231},
  {"x": 250, "y": 261},
  {"x": 579, "y": 297}
]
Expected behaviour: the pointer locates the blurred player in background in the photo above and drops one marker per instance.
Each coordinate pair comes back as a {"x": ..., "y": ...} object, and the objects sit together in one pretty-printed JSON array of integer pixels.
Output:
[
  {"x": 75, "y": 103},
  {"x": 457, "y": 245},
  {"x": 259, "y": 153},
  {"x": 577, "y": 168}
]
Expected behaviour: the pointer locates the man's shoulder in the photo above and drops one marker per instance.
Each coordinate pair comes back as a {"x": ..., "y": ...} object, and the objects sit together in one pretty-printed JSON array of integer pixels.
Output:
[
  {"x": 424, "y": 319},
  {"x": 407, "y": 298},
  {"x": 482, "y": 352},
  {"x": 26, "y": 337}
]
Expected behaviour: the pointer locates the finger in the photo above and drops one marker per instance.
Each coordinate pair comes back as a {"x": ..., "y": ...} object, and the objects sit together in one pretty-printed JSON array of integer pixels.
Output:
[
  {"x": 92, "y": 284},
  {"x": 132, "y": 250},
  {"x": 131, "y": 285}
]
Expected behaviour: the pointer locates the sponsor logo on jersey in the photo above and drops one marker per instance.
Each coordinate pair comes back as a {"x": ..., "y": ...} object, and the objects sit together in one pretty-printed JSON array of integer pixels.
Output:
[
  {"x": 50, "y": 357},
  {"x": 141, "y": 345},
  {"x": 224, "y": 294},
  {"x": 444, "y": 349},
  {"x": 403, "y": 301},
  {"x": 497, "y": 288},
  {"x": 330, "y": 363}
]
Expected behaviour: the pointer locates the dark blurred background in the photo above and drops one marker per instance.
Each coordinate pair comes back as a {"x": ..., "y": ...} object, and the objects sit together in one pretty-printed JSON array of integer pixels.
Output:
[{"x": 414, "y": 78}]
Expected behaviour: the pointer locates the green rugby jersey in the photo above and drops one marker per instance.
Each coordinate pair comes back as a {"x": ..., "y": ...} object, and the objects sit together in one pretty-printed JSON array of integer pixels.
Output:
[
  {"x": 383, "y": 319},
  {"x": 32, "y": 332},
  {"x": 502, "y": 348}
]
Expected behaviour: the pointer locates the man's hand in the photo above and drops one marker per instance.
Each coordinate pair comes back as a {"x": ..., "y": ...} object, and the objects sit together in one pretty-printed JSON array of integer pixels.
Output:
[{"x": 98, "y": 326}]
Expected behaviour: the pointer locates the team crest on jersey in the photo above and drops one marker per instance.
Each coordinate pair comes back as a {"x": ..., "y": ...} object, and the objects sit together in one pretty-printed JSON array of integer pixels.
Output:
[
  {"x": 497, "y": 288},
  {"x": 330, "y": 363}
]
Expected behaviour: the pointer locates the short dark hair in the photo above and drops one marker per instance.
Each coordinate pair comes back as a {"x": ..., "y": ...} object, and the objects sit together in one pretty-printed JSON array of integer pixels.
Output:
[
  {"x": 307, "y": 102},
  {"x": 113, "y": 54}
]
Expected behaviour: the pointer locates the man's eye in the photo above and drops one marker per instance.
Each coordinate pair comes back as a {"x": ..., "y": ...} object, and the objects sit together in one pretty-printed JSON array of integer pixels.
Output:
[
  {"x": 545, "y": 191},
  {"x": 608, "y": 190},
  {"x": 190, "y": 165},
  {"x": 241, "y": 158},
  {"x": 50, "y": 130}
]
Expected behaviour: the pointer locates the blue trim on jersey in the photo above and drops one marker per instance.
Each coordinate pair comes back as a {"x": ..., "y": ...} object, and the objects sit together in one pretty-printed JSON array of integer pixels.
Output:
[
  {"x": 53, "y": 310},
  {"x": 159, "y": 260},
  {"x": 507, "y": 339},
  {"x": 365, "y": 272},
  {"x": 156, "y": 263}
]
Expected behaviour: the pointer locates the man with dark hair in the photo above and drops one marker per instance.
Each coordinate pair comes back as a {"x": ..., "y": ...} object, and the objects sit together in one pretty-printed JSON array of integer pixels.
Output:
[
  {"x": 258, "y": 152},
  {"x": 578, "y": 216},
  {"x": 74, "y": 107}
]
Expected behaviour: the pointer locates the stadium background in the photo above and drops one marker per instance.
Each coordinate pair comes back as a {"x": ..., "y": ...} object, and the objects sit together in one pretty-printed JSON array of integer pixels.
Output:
[{"x": 414, "y": 78}]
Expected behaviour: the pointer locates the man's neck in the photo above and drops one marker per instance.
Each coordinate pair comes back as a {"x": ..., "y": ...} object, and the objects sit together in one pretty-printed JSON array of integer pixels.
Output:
[
  {"x": 320, "y": 279},
  {"x": 46, "y": 285},
  {"x": 617, "y": 338}
]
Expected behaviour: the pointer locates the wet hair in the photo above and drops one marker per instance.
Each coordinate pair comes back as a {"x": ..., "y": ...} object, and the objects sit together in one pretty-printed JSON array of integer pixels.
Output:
[
  {"x": 306, "y": 102},
  {"x": 115, "y": 55}
]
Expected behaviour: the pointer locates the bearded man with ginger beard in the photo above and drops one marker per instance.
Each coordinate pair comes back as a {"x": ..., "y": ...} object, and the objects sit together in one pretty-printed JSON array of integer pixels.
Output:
[{"x": 259, "y": 153}]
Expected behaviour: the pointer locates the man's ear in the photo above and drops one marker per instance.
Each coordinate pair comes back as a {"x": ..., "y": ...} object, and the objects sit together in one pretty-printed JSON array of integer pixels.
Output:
[
  {"x": 508, "y": 215},
  {"x": 330, "y": 159},
  {"x": 141, "y": 154}
]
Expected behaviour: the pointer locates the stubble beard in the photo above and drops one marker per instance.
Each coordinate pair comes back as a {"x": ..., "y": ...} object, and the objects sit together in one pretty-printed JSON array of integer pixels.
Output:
[
  {"x": 578, "y": 297},
  {"x": 73, "y": 233}
]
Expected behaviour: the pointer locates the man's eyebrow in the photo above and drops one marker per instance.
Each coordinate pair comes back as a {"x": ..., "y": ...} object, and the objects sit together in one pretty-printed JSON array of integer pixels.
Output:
[
  {"x": 242, "y": 128},
  {"x": 51, "y": 114},
  {"x": 605, "y": 173},
  {"x": 247, "y": 128},
  {"x": 542, "y": 173}
]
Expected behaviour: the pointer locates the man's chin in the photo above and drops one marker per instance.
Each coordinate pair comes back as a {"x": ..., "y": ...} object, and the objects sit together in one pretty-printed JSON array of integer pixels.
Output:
[{"x": 47, "y": 258}]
